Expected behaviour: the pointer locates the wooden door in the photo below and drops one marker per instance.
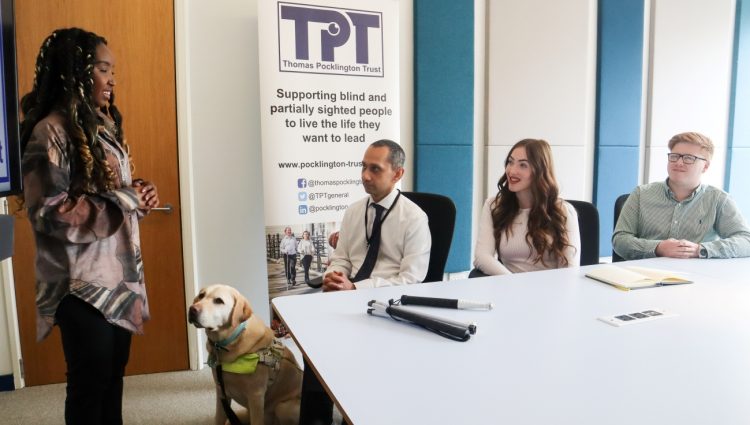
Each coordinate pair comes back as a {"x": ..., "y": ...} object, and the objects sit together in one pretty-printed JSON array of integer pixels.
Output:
[{"x": 140, "y": 33}]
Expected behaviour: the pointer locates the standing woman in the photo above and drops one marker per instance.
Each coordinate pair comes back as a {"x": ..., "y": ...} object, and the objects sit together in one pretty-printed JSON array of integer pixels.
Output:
[
  {"x": 526, "y": 226},
  {"x": 84, "y": 206},
  {"x": 306, "y": 250}
]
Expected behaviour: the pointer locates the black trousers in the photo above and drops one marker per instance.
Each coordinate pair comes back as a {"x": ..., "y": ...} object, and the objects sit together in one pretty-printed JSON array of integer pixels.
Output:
[
  {"x": 96, "y": 353},
  {"x": 290, "y": 264},
  {"x": 316, "y": 407},
  {"x": 306, "y": 261}
]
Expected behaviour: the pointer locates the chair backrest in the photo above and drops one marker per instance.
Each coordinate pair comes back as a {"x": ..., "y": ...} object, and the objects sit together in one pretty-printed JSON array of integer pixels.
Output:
[
  {"x": 6, "y": 236},
  {"x": 618, "y": 208},
  {"x": 588, "y": 226},
  {"x": 475, "y": 272},
  {"x": 441, "y": 213}
]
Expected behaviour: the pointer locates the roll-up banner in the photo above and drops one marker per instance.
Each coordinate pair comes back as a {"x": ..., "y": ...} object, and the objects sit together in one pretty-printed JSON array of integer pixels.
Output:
[{"x": 328, "y": 88}]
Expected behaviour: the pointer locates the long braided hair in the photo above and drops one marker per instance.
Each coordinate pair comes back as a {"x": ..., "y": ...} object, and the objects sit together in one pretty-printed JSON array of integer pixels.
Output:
[
  {"x": 546, "y": 226},
  {"x": 63, "y": 83}
]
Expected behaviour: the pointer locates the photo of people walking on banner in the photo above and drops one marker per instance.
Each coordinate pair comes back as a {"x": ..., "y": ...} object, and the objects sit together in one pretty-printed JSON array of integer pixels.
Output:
[{"x": 297, "y": 257}]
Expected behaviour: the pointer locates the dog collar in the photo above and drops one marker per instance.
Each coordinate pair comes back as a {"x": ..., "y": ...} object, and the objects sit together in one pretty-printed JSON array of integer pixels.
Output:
[{"x": 231, "y": 338}]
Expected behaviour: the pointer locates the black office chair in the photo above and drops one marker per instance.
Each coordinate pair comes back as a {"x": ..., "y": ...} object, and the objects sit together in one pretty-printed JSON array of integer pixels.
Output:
[
  {"x": 588, "y": 227},
  {"x": 475, "y": 272},
  {"x": 6, "y": 236},
  {"x": 441, "y": 213},
  {"x": 618, "y": 208}
]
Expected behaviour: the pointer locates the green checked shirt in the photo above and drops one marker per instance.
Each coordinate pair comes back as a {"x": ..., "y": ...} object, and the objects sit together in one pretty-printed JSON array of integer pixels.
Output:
[{"x": 708, "y": 217}]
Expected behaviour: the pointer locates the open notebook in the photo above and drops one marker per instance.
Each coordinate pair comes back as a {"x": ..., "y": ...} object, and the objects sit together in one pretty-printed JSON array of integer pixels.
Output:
[{"x": 632, "y": 277}]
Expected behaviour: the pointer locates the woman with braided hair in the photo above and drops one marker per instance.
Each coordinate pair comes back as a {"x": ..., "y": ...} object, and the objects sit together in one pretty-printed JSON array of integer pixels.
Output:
[{"x": 84, "y": 207}]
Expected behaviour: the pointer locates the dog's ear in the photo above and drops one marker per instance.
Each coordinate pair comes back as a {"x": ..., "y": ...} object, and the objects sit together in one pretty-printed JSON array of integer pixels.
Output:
[
  {"x": 200, "y": 295},
  {"x": 241, "y": 310}
]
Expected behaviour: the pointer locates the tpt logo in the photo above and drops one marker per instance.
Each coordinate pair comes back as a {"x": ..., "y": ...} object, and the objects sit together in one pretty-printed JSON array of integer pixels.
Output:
[{"x": 326, "y": 40}]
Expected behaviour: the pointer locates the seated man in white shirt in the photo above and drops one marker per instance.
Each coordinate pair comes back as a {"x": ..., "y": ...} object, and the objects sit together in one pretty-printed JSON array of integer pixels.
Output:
[
  {"x": 404, "y": 251},
  {"x": 393, "y": 249}
]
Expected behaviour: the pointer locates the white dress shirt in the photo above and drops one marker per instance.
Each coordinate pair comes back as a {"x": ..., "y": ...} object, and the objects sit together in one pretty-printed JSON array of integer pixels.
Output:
[
  {"x": 306, "y": 247},
  {"x": 288, "y": 245},
  {"x": 515, "y": 253},
  {"x": 405, "y": 243}
]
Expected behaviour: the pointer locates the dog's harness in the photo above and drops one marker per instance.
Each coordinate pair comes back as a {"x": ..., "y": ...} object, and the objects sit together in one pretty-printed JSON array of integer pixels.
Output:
[{"x": 247, "y": 363}]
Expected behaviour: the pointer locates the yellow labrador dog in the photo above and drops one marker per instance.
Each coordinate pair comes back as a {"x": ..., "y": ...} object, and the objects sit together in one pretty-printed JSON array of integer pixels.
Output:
[{"x": 271, "y": 393}]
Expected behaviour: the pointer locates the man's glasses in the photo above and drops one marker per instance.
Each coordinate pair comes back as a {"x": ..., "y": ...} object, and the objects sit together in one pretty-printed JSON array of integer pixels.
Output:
[{"x": 687, "y": 159}]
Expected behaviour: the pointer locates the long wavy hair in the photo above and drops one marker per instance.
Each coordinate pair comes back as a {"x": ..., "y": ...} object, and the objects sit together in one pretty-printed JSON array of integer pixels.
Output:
[
  {"x": 546, "y": 227},
  {"x": 63, "y": 83}
]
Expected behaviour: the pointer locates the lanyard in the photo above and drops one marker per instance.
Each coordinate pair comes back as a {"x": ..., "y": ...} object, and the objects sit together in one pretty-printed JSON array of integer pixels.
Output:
[{"x": 384, "y": 216}]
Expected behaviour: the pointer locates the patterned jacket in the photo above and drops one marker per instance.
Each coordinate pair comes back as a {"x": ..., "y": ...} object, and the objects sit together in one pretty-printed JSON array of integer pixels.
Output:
[{"x": 87, "y": 245}]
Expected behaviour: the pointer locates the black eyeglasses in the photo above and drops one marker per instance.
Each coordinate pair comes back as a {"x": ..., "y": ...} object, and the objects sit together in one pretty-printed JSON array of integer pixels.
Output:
[{"x": 687, "y": 159}]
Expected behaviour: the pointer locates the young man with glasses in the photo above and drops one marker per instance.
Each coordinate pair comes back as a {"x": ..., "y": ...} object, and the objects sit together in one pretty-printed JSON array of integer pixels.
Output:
[{"x": 681, "y": 217}]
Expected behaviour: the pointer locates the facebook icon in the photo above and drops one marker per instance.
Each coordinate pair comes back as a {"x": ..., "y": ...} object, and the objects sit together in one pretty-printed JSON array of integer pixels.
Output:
[
  {"x": 302, "y": 209},
  {"x": 301, "y": 183}
]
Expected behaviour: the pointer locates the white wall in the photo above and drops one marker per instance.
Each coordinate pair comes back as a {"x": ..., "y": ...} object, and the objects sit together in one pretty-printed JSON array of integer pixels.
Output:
[
  {"x": 691, "y": 66},
  {"x": 9, "y": 338},
  {"x": 5, "y": 355},
  {"x": 224, "y": 142},
  {"x": 480, "y": 117},
  {"x": 219, "y": 150},
  {"x": 225, "y": 145},
  {"x": 406, "y": 87},
  {"x": 541, "y": 84},
  {"x": 6, "y": 365},
  {"x": 219, "y": 140},
  {"x": 222, "y": 145}
]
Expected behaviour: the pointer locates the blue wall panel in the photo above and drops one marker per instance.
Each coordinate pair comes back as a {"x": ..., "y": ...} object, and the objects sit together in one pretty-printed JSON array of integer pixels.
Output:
[
  {"x": 444, "y": 111},
  {"x": 622, "y": 164},
  {"x": 618, "y": 109},
  {"x": 447, "y": 170},
  {"x": 739, "y": 189},
  {"x": 620, "y": 82},
  {"x": 740, "y": 107},
  {"x": 444, "y": 71},
  {"x": 738, "y": 151}
]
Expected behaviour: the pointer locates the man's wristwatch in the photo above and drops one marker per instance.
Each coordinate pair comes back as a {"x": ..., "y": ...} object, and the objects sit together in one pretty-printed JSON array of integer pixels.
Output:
[{"x": 703, "y": 252}]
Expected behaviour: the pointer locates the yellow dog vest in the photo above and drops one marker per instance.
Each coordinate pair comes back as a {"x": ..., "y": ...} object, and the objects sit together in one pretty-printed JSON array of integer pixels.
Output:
[{"x": 247, "y": 363}]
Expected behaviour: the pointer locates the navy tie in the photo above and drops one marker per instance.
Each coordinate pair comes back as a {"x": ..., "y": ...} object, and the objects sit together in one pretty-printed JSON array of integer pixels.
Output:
[{"x": 368, "y": 265}]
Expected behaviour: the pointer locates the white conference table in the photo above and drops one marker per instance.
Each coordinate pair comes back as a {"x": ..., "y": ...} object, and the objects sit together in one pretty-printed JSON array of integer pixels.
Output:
[{"x": 540, "y": 356}]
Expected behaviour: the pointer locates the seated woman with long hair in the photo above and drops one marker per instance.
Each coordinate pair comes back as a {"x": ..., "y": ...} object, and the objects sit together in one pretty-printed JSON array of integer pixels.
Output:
[{"x": 526, "y": 226}]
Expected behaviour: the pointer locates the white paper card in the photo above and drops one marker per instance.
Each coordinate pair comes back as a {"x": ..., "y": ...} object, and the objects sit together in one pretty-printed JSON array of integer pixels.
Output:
[{"x": 636, "y": 317}]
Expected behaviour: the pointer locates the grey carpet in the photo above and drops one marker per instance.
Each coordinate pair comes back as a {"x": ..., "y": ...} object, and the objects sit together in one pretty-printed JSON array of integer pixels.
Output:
[{"x": 185, "y": 397}]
